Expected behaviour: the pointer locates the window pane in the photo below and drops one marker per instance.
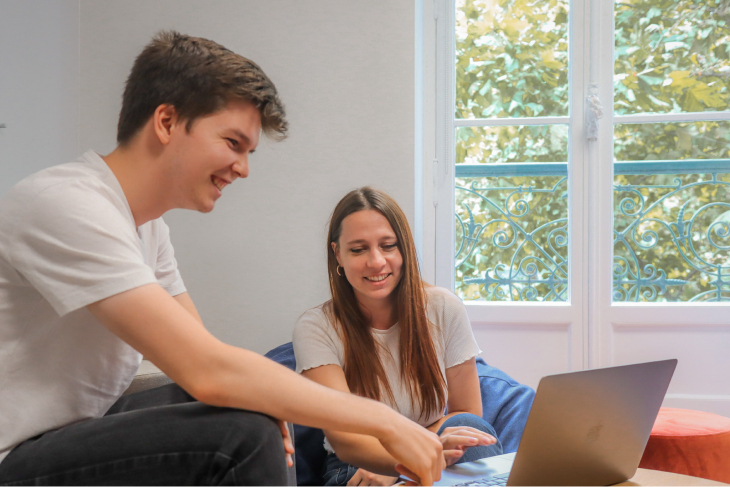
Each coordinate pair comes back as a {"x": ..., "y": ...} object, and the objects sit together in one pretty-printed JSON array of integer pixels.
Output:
[
  {"x": 511, "y": 58},
  {"x": 671, "y": 56},
  {"x": 512, "y": 238},
  {"x": 672, "y": 237},
  {"x": 535, "y": 143},
  {"x": 672, "y": 141}
]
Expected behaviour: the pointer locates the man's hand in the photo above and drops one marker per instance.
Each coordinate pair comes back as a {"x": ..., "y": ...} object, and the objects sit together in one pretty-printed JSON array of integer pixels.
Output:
[
  {"x": 363, "y": 477},
  {"x": 416, "y": 447},
  {"x": 457, "y": 439},
  {"x": 288, "y": 445}
]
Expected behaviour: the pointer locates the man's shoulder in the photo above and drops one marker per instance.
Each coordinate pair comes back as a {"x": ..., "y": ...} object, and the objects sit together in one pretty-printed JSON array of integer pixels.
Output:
[
  {"x": 79, "y": 191},
  {"x": 72, "y": 175}
]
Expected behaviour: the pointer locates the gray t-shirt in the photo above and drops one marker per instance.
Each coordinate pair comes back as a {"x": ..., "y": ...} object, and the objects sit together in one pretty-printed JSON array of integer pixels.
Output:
[
  {"x": 68, "y": 239},
  {"x": 317, "y": 343}
]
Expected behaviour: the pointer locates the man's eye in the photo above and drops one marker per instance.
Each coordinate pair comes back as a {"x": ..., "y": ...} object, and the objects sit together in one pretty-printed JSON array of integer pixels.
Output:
[{"x": 233, "y": 142}]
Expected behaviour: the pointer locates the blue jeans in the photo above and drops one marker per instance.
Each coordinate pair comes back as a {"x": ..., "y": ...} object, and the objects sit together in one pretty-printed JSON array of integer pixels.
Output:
[
  {"x": 337, "y": 472},
  {"x": 159, "y": 436}
]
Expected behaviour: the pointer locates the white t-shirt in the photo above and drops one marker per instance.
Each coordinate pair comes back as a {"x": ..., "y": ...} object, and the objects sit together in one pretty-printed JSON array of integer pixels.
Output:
[
  {"x": 68, "y": 239},
  {"x": 317, "y": 343}
]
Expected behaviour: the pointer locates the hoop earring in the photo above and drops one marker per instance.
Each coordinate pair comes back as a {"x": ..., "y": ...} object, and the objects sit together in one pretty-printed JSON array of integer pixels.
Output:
[{"x": 338, "y": 270}]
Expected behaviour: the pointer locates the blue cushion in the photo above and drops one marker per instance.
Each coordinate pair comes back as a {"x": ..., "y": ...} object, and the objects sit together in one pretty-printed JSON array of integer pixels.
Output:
[
  {"x": 505, "y": 405},
  {"x": 308, "y": 449}
]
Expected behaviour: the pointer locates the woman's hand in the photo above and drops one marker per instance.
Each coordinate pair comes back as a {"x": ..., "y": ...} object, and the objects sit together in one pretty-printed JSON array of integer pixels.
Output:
[
  {"x": 363, "y": 477},
  {"x": 457, "y": 439},
  {"x": 288, "y": 444}
]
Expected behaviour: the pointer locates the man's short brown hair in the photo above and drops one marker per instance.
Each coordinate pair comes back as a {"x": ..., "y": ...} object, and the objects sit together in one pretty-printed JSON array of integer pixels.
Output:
[{"x": 198, "y": 77}]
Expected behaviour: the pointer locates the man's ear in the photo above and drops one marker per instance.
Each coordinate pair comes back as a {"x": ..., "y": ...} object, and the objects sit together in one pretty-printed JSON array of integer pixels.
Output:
[{"x": 163, "y": 121}]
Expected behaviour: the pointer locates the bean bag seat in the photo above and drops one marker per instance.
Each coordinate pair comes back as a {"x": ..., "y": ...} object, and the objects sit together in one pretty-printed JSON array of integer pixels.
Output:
[
  {"x": 505, "y": 405},
  {"x": 691, "y": 443}
]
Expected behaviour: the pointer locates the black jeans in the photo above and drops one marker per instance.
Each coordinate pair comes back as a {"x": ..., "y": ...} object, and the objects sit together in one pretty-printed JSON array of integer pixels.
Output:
[{"x": 160, "y": 436}]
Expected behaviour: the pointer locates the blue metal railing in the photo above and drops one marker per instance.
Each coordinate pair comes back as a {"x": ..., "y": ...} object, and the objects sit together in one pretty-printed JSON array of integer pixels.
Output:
[
  {"x": 690, "y": 166},
  {"x": 538, "y": 269}
]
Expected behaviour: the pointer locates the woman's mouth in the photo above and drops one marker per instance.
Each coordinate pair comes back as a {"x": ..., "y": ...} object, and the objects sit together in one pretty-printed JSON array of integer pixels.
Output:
[{"x": 378, "y": 278}]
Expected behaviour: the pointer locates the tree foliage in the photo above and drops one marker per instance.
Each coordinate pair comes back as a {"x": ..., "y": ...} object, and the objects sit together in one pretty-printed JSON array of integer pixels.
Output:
[
  {"x": 671, "y": 56},
  {"x": 511, "y": 58}
]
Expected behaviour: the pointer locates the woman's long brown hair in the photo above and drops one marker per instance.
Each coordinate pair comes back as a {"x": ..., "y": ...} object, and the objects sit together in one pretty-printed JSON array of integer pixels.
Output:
[{"x": 363, "y": 368}]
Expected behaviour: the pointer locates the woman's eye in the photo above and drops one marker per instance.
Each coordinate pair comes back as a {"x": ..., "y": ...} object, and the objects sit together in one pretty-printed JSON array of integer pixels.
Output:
[
  {"x": 390, "y": 246},
  {"x": 356, "y": 251}
]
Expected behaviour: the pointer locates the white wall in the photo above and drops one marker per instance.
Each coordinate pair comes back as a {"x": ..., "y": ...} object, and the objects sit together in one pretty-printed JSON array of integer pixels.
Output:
[
  {"x": 39, "y": 59},
  {"x": 345, "y": 71}
]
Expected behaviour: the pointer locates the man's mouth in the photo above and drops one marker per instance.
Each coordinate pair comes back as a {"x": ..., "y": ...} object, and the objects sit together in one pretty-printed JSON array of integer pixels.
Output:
[
  {"x": 377, "y": 278},
  {"x": 219, "y": 183}
]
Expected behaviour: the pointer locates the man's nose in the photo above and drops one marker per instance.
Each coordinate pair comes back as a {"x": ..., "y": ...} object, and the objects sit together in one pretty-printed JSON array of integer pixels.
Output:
[{"x": 240, "y": 167}]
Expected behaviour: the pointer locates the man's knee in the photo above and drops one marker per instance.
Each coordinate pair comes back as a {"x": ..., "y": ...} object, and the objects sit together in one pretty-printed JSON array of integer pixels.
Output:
[{"x": 246, "y": 427}]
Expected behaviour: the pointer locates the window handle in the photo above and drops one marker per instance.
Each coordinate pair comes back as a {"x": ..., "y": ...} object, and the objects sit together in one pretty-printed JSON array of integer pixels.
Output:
[{"x": 594, "y": 112}]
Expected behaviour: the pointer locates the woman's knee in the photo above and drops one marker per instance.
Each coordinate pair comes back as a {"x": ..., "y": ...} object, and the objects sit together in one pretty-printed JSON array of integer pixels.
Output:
[
  {"x": 468, "y": 419},
  {"x": 476, "y": 422}
]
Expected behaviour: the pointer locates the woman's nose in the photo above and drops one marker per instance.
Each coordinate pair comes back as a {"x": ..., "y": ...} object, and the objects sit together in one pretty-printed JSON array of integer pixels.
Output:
[{"x": 376, "y": 259}]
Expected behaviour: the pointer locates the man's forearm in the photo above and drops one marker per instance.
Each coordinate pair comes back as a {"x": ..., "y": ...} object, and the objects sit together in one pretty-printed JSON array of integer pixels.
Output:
[{"x": 243, "y": 379}]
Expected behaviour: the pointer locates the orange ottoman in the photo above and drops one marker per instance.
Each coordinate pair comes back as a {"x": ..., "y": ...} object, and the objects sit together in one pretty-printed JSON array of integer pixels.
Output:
[{"x": 691, "y": 443}]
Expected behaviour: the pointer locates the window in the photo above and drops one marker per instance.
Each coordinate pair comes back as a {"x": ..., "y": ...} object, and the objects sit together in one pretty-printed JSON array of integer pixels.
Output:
[{"x": 583, "y": 183}]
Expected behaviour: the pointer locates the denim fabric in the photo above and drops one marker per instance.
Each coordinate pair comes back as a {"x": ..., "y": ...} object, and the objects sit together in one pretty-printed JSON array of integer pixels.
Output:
[
  {"x": 337, "y": 472},
  {"x": 160, "y": 436},
  {"x": 475, "y": 452},
  {"x": 505, "y": 405}
]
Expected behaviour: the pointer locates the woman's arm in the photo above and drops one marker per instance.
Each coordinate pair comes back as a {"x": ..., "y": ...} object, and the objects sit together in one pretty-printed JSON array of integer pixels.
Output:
[
  {"x": 465, "y": 395},
  {"x": 361, "y": 450}
]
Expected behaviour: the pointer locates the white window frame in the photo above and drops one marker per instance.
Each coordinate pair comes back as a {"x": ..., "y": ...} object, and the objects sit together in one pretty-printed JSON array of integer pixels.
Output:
[{"x": 590, "y": 320}]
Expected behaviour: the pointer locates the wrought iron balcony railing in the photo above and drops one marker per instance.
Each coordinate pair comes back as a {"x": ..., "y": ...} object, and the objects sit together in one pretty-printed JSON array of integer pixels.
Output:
[{"x": 671, "y": 231}]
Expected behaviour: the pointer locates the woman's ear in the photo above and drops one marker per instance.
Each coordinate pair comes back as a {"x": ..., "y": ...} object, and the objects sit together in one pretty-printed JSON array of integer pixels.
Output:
[{"x": 336, "y": 250}]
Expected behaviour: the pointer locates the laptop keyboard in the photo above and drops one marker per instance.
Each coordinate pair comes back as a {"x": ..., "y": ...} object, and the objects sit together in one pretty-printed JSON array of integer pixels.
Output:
[{"x": 496, "y": 480}]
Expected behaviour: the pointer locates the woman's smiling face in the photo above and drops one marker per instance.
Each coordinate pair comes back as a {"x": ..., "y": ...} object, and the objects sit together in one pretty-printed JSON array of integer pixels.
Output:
[{"x": 369, "y": 255}]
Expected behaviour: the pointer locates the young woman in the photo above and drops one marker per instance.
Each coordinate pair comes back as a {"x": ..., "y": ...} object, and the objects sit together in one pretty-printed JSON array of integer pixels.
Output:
[{"x": 388, "y": 336}]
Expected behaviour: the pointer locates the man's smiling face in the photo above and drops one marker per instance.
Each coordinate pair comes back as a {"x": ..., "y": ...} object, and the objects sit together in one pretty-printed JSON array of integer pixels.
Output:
[{"x": 212, "y": 155}]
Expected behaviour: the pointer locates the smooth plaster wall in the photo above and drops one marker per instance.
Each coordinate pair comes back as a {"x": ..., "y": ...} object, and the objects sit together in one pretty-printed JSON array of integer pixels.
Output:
[
  {"x": 39, "y": 64},
  {"x": 345, "y": 70}
]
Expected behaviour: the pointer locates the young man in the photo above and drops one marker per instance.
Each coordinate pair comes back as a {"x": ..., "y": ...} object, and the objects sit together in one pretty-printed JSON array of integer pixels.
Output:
[{"x": 89, "y": 284}]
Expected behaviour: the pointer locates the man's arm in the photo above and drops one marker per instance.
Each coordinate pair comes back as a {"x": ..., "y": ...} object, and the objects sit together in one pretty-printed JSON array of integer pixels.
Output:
[
  {"x": 160, "y": 328},
  {"x": 187, "y": 303}
]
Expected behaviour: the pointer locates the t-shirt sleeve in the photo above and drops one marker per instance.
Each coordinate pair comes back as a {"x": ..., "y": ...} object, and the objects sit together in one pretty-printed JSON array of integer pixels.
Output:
[
  {"x": 76, "y": 247},
  {"x": 316, "y": 342},
  {"x": 458, "y": 337},
  {"x": 166, "y": 271}
]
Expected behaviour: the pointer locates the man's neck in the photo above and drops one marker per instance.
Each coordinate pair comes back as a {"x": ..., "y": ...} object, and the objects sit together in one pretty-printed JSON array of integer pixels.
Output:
[{"x": 139, "y": 177}]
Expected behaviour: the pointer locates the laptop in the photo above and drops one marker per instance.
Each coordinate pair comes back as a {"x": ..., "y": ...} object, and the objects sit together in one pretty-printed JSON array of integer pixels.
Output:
[{"x": 585, "y": 428}]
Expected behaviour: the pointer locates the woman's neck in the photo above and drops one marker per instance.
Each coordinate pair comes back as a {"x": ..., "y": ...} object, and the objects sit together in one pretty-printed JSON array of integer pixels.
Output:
[{"x": 383, "y": 313}]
